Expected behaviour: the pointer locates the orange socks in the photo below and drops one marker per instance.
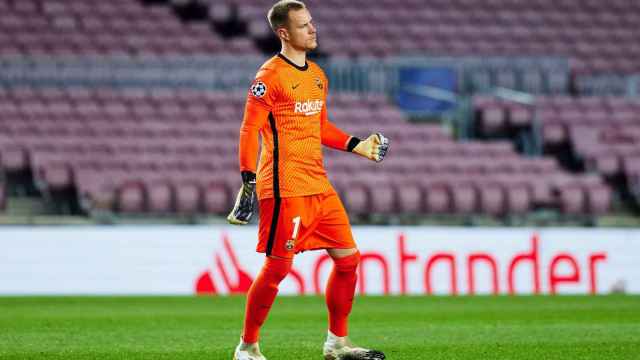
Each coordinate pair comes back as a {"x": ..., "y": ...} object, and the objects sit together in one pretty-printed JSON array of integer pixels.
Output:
[
  {"x": 261, "y": 295},
  {"x": 340, "y": 292}
]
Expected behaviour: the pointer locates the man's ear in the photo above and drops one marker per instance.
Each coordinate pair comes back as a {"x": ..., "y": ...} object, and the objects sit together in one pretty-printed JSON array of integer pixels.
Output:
[{"x": 283, "y": 34}]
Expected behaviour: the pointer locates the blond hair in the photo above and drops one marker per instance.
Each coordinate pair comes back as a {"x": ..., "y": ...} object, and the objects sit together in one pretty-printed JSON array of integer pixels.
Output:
[{"x": 278, "y": 15}]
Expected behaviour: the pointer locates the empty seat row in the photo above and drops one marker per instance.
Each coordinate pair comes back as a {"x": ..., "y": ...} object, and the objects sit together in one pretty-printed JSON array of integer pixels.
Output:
[
  {"x": 62, "y": 28},
  {"x": 598, "y": 39},
  {"x": 445, "y": 164},
  {"x": 554, "y": 115},
  {"x": 442, "y": 195},
  {"x": 160, "y": 196},
  {"x": 465, "y": 196},
  {"x": 598, "y": 134}
]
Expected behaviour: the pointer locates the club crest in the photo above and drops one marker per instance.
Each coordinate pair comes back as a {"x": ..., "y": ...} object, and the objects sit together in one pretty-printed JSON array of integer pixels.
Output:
[{"x": 289, "y": 245}]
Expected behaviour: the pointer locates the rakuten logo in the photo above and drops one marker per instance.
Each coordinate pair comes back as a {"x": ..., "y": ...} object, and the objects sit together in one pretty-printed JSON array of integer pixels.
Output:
[{"x": 309, "y": 107}]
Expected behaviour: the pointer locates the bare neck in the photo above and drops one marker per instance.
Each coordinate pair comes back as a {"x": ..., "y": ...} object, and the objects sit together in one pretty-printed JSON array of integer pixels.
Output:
[{"x": 298, "y": 57}]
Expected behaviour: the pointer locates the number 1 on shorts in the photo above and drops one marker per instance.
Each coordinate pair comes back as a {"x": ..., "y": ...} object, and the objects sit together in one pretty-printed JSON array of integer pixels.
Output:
[{"x": 296, "y": 226}]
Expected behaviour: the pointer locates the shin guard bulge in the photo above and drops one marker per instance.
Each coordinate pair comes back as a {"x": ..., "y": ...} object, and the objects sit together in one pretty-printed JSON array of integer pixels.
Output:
[
  {"x": 340, "y": 292},
  {"x": 261, "y": 295}
]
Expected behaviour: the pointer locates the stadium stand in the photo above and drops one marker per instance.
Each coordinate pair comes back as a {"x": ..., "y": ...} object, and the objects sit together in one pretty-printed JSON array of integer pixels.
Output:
[
  {"x": 598, "y": 36},
  {"x": 599, "y": 135},
  {"x": 120, "y": 27},
  {"x": 162, "y": 150},
  {"x": 602, "y": 133}
]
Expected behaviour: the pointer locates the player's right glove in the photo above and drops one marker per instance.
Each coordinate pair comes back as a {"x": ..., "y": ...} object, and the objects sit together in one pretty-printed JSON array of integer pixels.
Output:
[
  {"x": 243, "y": 208},
  {"x": 374, "y": 148}
]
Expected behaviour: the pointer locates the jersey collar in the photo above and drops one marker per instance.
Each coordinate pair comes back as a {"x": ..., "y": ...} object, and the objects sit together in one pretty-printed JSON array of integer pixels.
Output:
[{"x": 301, "y": 68}]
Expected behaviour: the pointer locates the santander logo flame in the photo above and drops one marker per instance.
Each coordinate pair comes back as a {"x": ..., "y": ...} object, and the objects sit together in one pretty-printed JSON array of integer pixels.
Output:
[{"x": 205, "y": 285}]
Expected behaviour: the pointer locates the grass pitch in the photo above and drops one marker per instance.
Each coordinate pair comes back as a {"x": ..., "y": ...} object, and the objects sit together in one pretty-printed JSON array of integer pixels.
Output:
[{"x": 603, "y": 327}]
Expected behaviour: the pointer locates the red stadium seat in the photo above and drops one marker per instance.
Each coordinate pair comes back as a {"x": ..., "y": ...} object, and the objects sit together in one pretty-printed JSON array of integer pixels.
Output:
[
  {"x": 14, "y": 157},
  {"x": 572, "y": 199},
  {"x": 437, "y": 198},
  {"x": 355, "y": 197},
  {"x": 382, "y": 197},
  {"x": 57, "y": 175},
  {"x": 518, "y": 198},
  {"x": 132, "y": 197},
  {"x": 160, "y": 197},
  {"x": 218, "y": 197},
  {"x": 599, "y": 197},
  {"x": 188, "y": 196},
  {"x": 492, "y": 119},
  {"x": 410, "y": 197},
  {"x": 520, "y": 116},
  {"x": 491, "y": 198}
]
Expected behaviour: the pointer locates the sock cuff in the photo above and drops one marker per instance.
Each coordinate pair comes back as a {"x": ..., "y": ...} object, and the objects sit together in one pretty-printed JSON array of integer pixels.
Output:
[
  {"x": 348, "y": 262},
  {"x": 277, "y": 261}
]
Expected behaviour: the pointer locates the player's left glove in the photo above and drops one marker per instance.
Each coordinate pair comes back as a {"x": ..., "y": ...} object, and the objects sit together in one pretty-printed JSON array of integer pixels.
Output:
[
  {"x": 374, "y": 148},
  {"x": 243, "y": 208}
]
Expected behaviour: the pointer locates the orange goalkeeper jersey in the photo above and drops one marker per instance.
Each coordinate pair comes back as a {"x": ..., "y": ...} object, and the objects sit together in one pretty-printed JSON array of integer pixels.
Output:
[{"x": 286, "y": 105}]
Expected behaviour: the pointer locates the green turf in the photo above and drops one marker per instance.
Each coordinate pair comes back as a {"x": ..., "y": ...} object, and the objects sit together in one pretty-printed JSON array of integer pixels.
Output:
[{"x": 606, "y": 327}]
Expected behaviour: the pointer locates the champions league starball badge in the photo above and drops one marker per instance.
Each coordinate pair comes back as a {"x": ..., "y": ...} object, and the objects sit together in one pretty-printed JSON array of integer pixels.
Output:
[{"x": 258, "y": 89}]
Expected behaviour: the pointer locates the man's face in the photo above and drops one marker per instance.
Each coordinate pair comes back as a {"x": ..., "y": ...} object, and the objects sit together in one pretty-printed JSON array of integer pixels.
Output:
[{"x": 302, "y": 32}]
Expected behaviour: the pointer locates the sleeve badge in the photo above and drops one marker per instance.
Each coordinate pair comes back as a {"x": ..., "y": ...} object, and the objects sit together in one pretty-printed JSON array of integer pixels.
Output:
[{"x": 258, "y": 89}]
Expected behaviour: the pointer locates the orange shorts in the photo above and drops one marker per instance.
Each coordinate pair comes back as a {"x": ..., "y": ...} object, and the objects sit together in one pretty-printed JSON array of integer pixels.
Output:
[{"x": 294, "y": 224}]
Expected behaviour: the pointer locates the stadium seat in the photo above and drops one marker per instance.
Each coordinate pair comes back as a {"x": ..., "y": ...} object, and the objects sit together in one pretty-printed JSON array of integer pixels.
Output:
[
  {"x": 491, "y": 198},
  {"x": 14, "y": 157},
  {"x": 520, "y": 116},
  {"x": 218, "y": 197},
  {"x": 492, "y": 119},
  {"x": 598, "y": 199},
  {"x": 464, "y": 196},
  {"x": 132, "y": 197},
  {"x": 572, "y": 199},
  {"x": 382, "y": 197},
  {"x": 57, "y": 175},
  {"x": 517, "y": 198},
  {"x": 604, "y": 161},
  {"x": 355, "y": 196},
  {"x": 160, "y": 197},
  {"x": 437, "y": 197},
  {"x": 188, "y": 196},
  {"x": 410, "y": 199}
]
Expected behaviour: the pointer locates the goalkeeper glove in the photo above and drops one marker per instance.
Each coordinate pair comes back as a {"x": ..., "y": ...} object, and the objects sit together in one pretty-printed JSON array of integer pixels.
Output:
[
  {"x": 243, "y": 208},
  {"x": 374, "y": 148}
]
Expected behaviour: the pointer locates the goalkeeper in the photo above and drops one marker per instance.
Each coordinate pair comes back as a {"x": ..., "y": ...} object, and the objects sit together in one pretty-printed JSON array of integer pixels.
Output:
[{"x": 299, "y": 209}]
